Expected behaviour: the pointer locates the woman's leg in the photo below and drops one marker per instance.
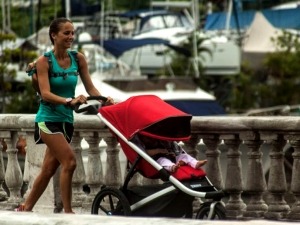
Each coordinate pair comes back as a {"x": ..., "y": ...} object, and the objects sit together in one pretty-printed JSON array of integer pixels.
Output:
[
  {"x": 63, "y": 152},
  {"x": 50, "y": 165}
]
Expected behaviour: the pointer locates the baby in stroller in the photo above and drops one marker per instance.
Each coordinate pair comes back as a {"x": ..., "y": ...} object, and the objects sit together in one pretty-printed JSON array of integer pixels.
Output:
[{"x": 169, "y": 154}]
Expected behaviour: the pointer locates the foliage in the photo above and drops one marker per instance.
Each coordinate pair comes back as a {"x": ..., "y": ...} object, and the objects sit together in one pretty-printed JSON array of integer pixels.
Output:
[
  {"x": 131, "y": 5},
  {"x": 23, "y": 21},
  {"x": 9, "y": 88},
  {"x": 183, "y": 62},
  {"x": 7, "y": 37},
  {"x": 275, "y": 84},
  {"x": 242, "y": 94},
  {"x": 6, "y": 75},
  {"x": 284, "y": 64},
  {"x": 283, "y": 69},
  {"x": 23, "y": 100}
]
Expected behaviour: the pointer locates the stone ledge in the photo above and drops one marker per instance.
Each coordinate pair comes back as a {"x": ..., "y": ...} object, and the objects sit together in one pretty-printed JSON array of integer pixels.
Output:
[{"x": 13, "y": 218}]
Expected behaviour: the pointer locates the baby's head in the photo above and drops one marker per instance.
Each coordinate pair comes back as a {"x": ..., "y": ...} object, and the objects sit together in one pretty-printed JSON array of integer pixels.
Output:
[{"x": 148, "y": 141}]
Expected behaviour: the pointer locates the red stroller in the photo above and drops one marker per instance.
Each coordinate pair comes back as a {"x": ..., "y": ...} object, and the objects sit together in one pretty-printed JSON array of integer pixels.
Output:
[{"x": 149, "y": 115}]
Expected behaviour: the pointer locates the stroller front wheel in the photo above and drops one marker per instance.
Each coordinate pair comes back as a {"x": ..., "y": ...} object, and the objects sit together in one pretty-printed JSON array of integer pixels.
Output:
[
  {"x": 111, "y": 202},
  {"x": 218, "y": 213}
]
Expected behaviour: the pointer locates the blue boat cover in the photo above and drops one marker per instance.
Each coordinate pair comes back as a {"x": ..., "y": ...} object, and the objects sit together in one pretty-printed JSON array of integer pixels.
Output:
[
  {"x": 198, "y": 108},
  {"x": 280, "y": 18},
  {"x": 118, "y": 46}
]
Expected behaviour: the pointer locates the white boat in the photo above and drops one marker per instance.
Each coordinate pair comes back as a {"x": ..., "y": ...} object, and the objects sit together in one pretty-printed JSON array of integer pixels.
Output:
[{"x": 171, "y": 26}]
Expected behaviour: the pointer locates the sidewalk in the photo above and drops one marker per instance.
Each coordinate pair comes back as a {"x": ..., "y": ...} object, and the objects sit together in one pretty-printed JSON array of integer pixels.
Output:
[{"x": 23, "y": 218}]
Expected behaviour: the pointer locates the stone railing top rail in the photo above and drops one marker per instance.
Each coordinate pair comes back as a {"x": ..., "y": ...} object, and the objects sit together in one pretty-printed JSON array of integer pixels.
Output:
[
  {"x": 240, "y": 123},
  {"x": 210, "y": 123},
  {"x": 26, "y": 122}
]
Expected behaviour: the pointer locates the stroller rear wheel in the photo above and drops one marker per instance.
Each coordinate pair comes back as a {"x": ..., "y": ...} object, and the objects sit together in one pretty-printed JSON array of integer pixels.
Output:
[
  {"x": 219, "y": 212},
  {"x": 111, "y": 202}
]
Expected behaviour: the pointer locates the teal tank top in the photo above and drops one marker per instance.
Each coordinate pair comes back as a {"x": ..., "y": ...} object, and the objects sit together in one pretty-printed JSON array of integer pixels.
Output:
[{"x": 63, "y": 83}]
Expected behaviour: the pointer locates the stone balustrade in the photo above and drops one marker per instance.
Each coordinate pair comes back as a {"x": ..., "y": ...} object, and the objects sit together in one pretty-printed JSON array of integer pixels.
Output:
[{"x": 255, "y": 160}]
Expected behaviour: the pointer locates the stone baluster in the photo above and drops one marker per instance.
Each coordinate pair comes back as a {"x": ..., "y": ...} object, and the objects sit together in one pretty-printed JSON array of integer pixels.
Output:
[
  {"x": 295, "y": 183},
  {"x": 33, "y": 160},
  {"x": 234, "y": 180},
  {"x": 13, "y": 175},
  {"x": 22, "y": 150},
  {"x": 190, "y": 146},
  {"x": 79, "y": 173},
  {"x": 213, "y": 168},
  {"x": 255, "y": 183},
  {"x": 58, "y": 205},
  {"x": 3, "y": 194},
  {"x": 26, "y": 172},
  {"x": 278, "y": 208},
  {"x": 147, "y": 181},
  {"x": 94, "y": 173},
  {"x": 113, "y": 176},
  {"x": 138, "y": 180}
]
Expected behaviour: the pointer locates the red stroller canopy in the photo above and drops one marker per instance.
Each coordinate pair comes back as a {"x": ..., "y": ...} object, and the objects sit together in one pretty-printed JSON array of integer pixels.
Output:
[{"x": 148, "y": 115}]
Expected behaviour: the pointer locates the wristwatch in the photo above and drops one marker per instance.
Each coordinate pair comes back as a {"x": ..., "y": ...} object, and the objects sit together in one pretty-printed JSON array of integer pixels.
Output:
[{"x": 68, "y": 101}]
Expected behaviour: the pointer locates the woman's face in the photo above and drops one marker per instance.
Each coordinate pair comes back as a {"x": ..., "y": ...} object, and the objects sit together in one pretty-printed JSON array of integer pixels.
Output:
[{"x": 65, "y": 37}]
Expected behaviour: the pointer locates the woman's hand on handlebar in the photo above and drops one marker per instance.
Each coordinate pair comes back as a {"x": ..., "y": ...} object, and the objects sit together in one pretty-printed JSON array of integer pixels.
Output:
[
  {"x": 109, "y": 101},
  {"x": 76, "y": 102},
  {"x": 81, "y": 99}
]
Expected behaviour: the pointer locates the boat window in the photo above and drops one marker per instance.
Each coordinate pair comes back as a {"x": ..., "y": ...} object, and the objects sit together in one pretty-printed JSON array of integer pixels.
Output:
[
  {"x": 172, "y": 21},
  {"x": 186, "y": 22},
  {"x": 153, "y": 23}
]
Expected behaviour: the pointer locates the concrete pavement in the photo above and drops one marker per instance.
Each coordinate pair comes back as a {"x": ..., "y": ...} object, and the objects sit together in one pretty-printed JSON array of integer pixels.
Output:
[{"x": 26, "y": 218}]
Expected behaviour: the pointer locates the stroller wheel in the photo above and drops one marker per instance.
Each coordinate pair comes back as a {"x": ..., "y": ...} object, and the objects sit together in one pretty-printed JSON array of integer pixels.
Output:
[
  {"x": 219, "y": 212},
  {"x": 111, "y": 202}
]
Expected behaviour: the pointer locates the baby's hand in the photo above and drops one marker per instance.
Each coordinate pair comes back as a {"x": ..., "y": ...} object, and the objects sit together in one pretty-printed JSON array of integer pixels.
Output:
[
  {"x": 181, "y": 163},
  {"x": 174, "y": 168}
]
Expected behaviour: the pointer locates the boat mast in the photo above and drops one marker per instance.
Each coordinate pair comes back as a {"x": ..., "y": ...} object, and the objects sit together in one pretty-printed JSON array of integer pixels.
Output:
[
  {"x": 195, "y": 11},
  {"x": 6, "y": 26},
  {"x": 229, "y": 12},
  {"x": 68, "y": 9}
]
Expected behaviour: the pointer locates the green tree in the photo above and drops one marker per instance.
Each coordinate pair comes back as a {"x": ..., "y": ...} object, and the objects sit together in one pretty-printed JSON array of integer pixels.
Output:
[
  {"x": 283, "y": 70},
  {"x": 23, "y": 100},
  {"x": 275, "y": 84},
  {"x": 13, "y": 94},
  {"x": 184, "y": 63},
  {"x": 6, "y": 75},
  {"x": 24, "y": 20},
  {"x": 21, "y": 97}
]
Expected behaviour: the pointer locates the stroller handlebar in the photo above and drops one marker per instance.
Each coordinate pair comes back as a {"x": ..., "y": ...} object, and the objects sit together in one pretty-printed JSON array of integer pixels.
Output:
[{"x": 90, "y": 107}]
